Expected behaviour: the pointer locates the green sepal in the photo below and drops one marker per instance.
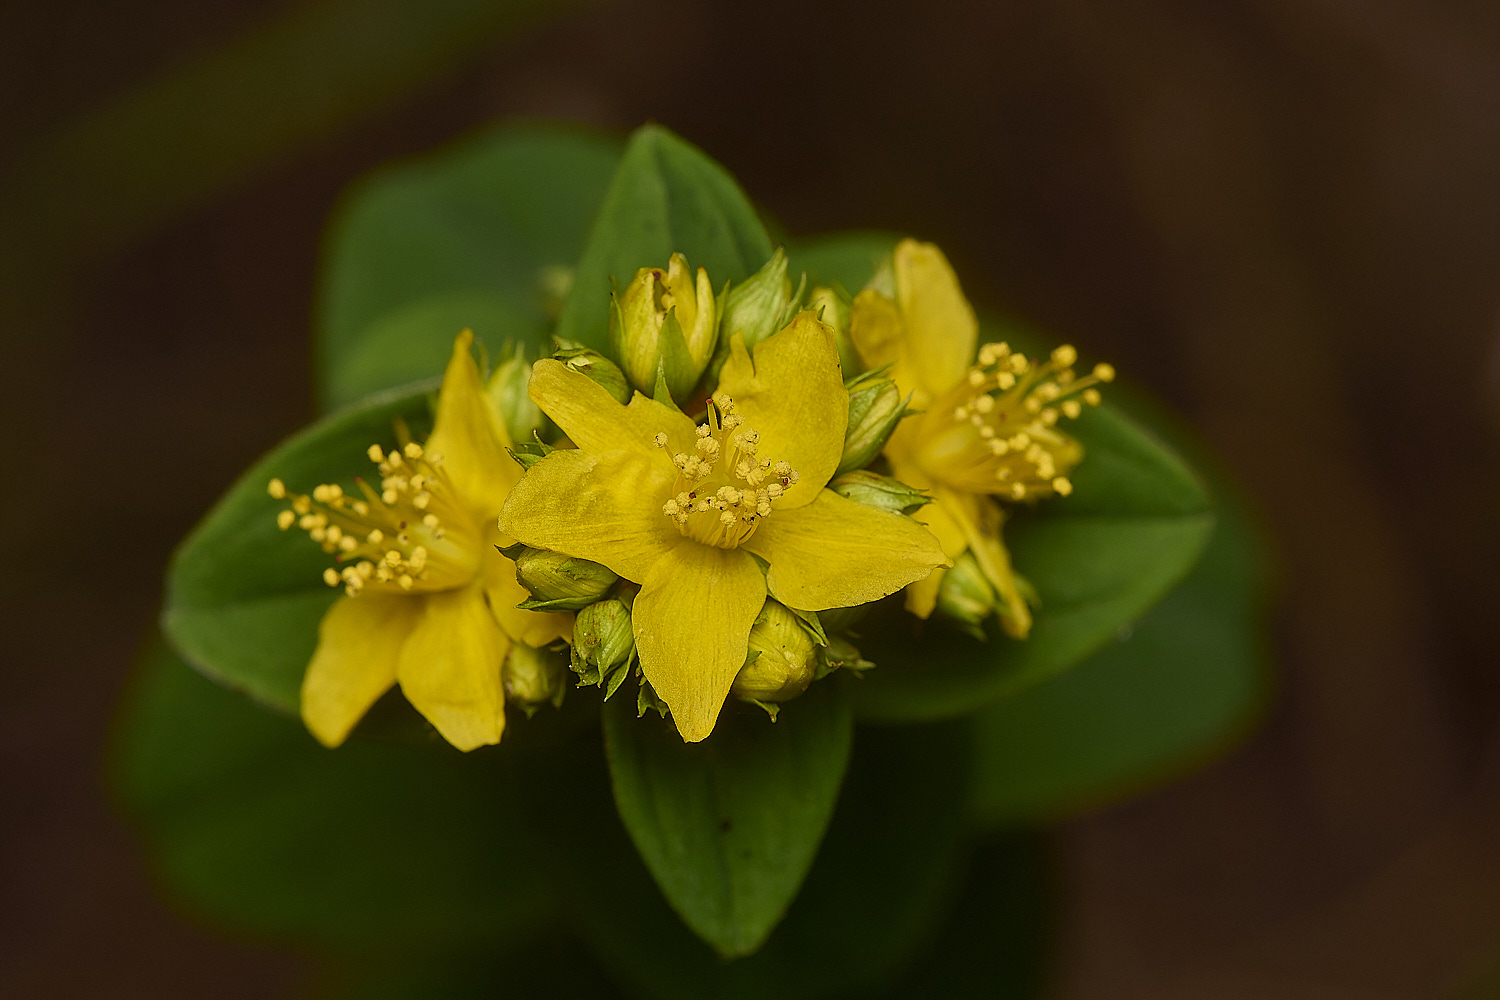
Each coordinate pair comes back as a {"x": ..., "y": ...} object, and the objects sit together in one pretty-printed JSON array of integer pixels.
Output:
[{"x": 882, "y": 492}]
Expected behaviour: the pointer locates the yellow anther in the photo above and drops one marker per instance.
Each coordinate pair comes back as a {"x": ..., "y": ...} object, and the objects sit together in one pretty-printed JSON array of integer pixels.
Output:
[
  {"x": 1005, "y": 380},
  {"x": 987, "y": 432},
  {"x": 976, "y": 377},
  {"x": 1018, "y": 491},
  {"x": 276, "y": 488},
  {"x": 671, "y": 508},
  {"x": 1104, "y": 372},
  {"x": 331, "y": 577},
  {"x": 1071, "y": 408},
  {"x": 389, "y": 497},
  {"x": 392, "y": 557},
  {"x": 1092, "y": 397},
  {"x": 375, "y": 537},
  {"x": 421, "y": 500},
  {"x": 405, "y": 581},
  {"x": 285, "y": 519},
  {"x": 412, "y": 450},
  {"x": 704, "y": 430},
  {"x": 376, "y": 455},
  {"x": 1019, "y": 364},
  {"x": 985, "y": 404},
  {"x": 1064, "y": 356},
  {"x": 301, "y": 504},
  {"x": 365, "y": 568},
  {"x": 727, "y": 519},
  {"x": 999, "y": 446},
  {"x": 660, "y": 440},
  {"x": 1062, "y": 486},
  {"x": 334, "y": 533},
  {"x": 348, "y": 543},
  {"x": 430, "y": 520}
]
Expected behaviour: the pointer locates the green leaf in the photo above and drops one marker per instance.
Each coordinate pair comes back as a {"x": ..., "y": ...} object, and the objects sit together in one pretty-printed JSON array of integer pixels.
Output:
[
  {"x": 729, "y": 826},
  {"x": 666, "y": 197},
  {"x": 1134, "y": 526},
  {"x": 848, "y": 259},
  {"x": 477, "y": 236},
  {"x": 244, "y": 598},
  {"x": 373, "y": 846},
  {"x": 882, "y": 877},
  {"x": 1179, "y": 685}
]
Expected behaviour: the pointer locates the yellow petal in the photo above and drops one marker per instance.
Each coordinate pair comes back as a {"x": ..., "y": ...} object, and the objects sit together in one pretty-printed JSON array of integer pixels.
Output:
[
  {"x": 504, "y": 592},
  {"x": 979, "y": 519},
  {"x": 792, "y": 392},
  {"x": 607, "y": 508},
  {"x": 692, "y": 623},
  {"x": 359, "y": 643},
  {"x": 836, "y": 553},
  {"x": 470, "y": 435},
  {"x": 941, "y": 332},
  {"x": 450, "y": 668},
  {"x": 594, "y": 421},
  {"x": 921, "y": 597},
  {"x": 878, "y": 333}
]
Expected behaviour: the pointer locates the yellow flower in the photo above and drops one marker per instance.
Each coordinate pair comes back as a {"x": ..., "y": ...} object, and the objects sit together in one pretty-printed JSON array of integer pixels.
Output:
[
  {"x": 987, "y": 429},
  {"x": 685, "y": 510},
  {"x": 429, "y": 603}
]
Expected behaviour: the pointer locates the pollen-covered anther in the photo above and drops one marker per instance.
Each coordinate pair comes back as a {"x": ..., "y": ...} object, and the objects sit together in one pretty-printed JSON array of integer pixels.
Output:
[
  {"x": 402, "y": 536},
  {"x": 721, "y": 496}
]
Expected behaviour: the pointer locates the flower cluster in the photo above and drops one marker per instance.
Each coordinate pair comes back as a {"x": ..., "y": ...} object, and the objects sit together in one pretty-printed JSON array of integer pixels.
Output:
[{"x": 722, "y": 494}]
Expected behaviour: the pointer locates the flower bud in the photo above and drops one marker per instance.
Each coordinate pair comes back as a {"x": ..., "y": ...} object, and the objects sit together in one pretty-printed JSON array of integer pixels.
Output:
[
  {"x": 507, "y": 391},
  {"x": 559, "y": 582},
  {"x": 876, "y": 490},
  {"x": 665, "y": 323},
  {"x": 833, "y": 306},
  {"x": 602, "y": 640},
  {"x": 965, "y": 595},
  {"x": 758, "y": 306},
  {"x": 596, "y": 366},
  {"x": 876, "y": 406},
  {"x": 783, "y": 657},
  {"x": 534, "y": 677}
]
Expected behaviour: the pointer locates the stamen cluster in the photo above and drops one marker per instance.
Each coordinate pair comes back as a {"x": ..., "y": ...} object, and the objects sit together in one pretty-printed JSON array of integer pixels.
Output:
[
  {"x": 994, "y": 432},
  {"x": 409, "y": 534},
  {"x": 724, "y": 487}
]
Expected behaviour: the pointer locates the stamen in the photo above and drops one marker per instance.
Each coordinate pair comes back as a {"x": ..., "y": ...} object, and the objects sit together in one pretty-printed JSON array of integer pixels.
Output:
[
  {"x": 439, "y": 550},
  {"x": 722, "y": 491}
]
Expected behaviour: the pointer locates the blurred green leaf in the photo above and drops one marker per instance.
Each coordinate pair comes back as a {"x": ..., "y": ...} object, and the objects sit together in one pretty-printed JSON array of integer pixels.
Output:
[
  {"x": 883, "y": 875},
  {"x": 666, "y": 197},
  {"x": 849, "y": 259},
  {"x": 729, "y": 826},
  {"x": 1134, "y": 526},
  {"x": 1171, "y": 690},
  {"x": 478, "y": 236},
  {"x": 371, "y": 846},
  {"x": 244, "y": 598}
]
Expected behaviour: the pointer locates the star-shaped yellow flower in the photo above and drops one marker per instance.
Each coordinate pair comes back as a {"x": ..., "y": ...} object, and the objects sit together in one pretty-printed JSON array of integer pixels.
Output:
[
  {"x": 429, "y": 603},
  {"x": 986, "y": 429},
  {"x": 685, "y": 511}
]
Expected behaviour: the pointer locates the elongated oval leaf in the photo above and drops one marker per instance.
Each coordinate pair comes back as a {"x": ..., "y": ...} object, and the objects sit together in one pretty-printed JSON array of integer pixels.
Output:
[
  {"x": 882, "y": 877},
  {"x": 1134, "y": 526},
  {"x": 243, "y": 597},
  {"x": 1180, "y": 684},
  {"x": 371, "y": 846},
  {"x": 666, "y": 197},
  {"x": 729, "y": 826},
  {"x": 483, "y": 235}
]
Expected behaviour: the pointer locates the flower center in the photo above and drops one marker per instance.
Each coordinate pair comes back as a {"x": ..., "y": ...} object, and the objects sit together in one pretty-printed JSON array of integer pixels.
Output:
[
  {"x": 411, "y": 534},
  {"x": 724, "y": 487},
  {"x": 995, "y": 431}
]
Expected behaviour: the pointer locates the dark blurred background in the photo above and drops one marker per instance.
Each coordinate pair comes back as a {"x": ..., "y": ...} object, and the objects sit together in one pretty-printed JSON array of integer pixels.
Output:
[{"x": 1283, "y": 216}]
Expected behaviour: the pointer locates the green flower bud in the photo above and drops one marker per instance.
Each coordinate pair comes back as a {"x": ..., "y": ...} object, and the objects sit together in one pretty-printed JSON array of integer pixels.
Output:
[
  {"x": 559, "y": 582},
  {"x": 534, "y": 677},
  {"x": 602, "y": 641},
  {"x": 876, "y": 406},
  {"x": 665, "y": 323},
  {"x": 596, "y": 366},
  {"x": 758, "y": 306},
  {"x": 833, "y": 306},
  {"x": 507, "y": 391},
  {"x": 783, "y": 657},
  {"x": 876, "y": 490},
  {"x": 531, "y": 452},
  {"x": 965, "y": 595}
]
